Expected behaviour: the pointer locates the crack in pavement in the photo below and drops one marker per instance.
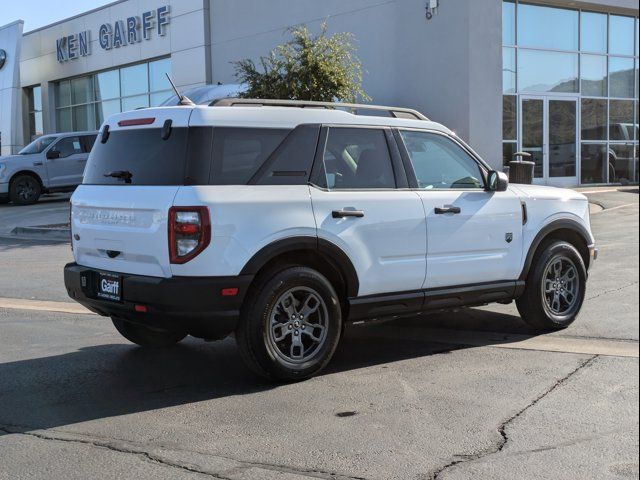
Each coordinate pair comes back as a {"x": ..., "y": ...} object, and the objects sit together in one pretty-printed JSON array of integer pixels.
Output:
[
  {"x": 504, "y": 438},
  {"x": 122, "y": 447},
  {"x": 612, "y": 291}
]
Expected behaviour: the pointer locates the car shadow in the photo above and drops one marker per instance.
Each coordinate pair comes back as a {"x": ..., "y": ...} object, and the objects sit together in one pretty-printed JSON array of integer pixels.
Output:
[{"x": 117, "y": 379}]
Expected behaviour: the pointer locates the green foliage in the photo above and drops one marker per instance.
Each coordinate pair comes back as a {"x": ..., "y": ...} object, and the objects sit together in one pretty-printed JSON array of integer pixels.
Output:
[{"x": 322, "y": 68}]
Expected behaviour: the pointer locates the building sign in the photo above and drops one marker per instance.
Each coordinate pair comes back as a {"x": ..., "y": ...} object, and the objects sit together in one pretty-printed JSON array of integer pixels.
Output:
[
  {"x": 119, "y": 34},
  {"x": 3, "y": 58}
]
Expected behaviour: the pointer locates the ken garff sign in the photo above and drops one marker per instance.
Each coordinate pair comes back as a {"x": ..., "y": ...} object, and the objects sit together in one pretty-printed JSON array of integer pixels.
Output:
[{"x": 120, "y": 34}]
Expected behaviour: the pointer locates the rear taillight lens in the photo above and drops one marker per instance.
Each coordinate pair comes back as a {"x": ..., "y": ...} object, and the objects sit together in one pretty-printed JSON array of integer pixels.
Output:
[{"x": 189, "y": 232}]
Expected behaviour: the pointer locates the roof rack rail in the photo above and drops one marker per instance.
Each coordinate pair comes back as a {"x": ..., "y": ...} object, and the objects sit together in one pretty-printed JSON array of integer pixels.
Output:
[{"x": 396, "y": 112}]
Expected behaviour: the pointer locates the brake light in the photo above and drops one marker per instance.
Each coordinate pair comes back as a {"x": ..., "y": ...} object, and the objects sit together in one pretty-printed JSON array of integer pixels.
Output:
[
  {"x": 189, "y": 232},
  {"x": 136, "y": 121}
]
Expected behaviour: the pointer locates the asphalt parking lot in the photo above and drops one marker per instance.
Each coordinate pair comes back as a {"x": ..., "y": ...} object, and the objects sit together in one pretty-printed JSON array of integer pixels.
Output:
[{"x": 467, "y": 394}]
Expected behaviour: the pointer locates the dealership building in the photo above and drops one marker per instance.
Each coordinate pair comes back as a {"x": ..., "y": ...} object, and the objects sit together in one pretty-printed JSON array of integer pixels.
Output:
[{"x": 557, "y": 79}]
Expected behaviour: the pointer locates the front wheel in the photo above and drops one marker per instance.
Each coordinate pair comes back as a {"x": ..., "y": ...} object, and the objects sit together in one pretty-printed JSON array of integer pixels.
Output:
[
  {"x": 145, "y": 336},
  {"x": 24, "y": 190},
  {"x": 290, "y": 328},
  {"x": 555, "y": 288}
]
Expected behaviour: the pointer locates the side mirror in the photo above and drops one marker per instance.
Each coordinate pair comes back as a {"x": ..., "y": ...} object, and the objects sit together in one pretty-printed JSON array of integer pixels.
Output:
[
  {"x": 497, "y": 181},
  {"x": 53, "y": 154}
]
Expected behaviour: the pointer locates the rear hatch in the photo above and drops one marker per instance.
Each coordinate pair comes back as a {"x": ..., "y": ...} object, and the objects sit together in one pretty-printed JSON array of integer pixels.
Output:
[{"x": 119, "y": 215}]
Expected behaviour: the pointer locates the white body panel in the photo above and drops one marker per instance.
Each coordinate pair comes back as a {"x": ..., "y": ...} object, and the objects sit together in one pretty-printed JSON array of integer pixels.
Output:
[
  {"x": 400, "y": 244},
  {"x": 243, "y": 220},
  {"x": 471, "y": 247},
  {"x": 127, "y": 219},
  {"x": 387, "y": 245}
]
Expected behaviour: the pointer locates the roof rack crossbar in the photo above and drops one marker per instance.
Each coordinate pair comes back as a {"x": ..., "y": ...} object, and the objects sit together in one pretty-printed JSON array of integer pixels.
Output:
[{"x": 396, "y": 112}]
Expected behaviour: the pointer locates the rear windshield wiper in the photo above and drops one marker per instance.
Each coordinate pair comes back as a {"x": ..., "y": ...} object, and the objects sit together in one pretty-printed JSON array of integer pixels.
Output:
[{"x": 121, "y": 174}]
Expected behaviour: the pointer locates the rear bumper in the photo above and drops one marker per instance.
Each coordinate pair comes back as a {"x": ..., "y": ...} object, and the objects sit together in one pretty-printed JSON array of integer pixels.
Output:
[{"x": 194, "y": 305}]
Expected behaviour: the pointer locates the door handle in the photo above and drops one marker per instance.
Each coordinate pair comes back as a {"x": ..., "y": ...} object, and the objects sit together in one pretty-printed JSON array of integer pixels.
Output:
[
  {"x": 347, "y": 213},
  {"x": 442, "y": 210}
]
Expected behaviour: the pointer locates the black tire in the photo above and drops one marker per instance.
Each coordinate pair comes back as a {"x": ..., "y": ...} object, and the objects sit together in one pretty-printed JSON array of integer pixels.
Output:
[
  {"x": 309, "y": 334},
  {"x": 25, "y": 190},
  {"x": 559, "y": 307},
  {"x": 145, "y": 336}
]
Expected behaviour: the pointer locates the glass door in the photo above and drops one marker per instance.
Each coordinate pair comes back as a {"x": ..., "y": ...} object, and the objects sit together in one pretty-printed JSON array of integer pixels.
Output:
[{"x": 549, "y": 131}]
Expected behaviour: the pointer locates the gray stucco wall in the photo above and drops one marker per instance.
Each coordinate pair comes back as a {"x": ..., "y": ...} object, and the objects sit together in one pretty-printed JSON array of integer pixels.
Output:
[
  {"x": 10, "y": 93},
  {"x": 448, "y": 67}
]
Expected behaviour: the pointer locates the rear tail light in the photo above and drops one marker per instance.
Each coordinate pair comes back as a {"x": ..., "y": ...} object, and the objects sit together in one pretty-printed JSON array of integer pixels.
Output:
[{"x": 189, "y": 232}]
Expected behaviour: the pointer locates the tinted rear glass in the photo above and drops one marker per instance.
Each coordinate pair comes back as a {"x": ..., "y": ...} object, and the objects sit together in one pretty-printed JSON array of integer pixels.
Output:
[
  {"x": 141, "y": 152},
  {"x": 239, "y": 152}
]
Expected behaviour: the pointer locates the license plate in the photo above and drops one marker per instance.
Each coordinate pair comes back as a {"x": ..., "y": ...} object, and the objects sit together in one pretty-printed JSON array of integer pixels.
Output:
[{"x": 109, "y": 286}]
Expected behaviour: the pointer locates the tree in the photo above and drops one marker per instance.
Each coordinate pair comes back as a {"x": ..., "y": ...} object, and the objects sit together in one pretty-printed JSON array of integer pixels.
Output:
[{"x": 322, "y": 68}]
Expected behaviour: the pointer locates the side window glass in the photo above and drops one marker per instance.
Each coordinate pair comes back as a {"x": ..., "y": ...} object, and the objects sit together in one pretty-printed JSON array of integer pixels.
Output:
[
  {"x": 239, "y": 152},
  {"x": 440, "y": 163},
  {"x": 358, "y": 158},
  {"x": 87, "y": 143},
  {"x": 68, "y": 146}
]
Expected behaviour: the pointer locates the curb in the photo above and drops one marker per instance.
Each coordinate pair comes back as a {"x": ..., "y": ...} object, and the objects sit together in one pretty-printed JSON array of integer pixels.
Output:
[{"x": 61, "y": 234}]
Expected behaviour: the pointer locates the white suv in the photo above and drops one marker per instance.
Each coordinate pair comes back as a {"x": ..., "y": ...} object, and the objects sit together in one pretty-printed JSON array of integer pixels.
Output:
[{"x": 280, "y": 223}]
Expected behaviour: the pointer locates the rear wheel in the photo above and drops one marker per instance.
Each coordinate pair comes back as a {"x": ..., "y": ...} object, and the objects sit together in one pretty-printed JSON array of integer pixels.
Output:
[
  {"x": 24, "y": 190},
  {"x": 555, "y": 287},
  {"x": 145, "y": 336},
  {"x": 290, "y": 328}
]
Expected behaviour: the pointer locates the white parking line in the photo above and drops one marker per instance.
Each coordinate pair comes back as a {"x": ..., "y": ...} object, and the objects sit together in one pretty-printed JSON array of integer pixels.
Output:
[
  {"x": 43, "y": 305},
  {"x": 547, "y": 343}
]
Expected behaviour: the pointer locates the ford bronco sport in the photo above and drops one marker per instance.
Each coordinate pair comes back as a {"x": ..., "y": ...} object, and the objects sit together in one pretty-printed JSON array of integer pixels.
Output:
[{"x": 280, "y": 223}]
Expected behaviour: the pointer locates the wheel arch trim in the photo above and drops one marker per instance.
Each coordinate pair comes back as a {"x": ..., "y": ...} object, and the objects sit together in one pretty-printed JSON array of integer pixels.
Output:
[
  {"x": 326, "y": 249},
  {"x": 545, "y": 232}
]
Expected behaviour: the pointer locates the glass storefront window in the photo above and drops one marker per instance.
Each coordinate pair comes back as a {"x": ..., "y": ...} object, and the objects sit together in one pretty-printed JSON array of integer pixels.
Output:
[
  {"x": 508, "y": 23},
  {"x": 134, "y": 80},
  {"x": 35, "y": 112},
  {"x": 63, "y": 93},
  {"x": 84, "y": 117},
  {"x": 107, "y": 85},
  {"x": 508, "y": 70},
  {"x": 63, "y": 120},
  {"x": 593, "y": 75},
  {"x": 157, "y": 98},
  {"x": 593, "y": 34},
  {"x": 594, "y": 163},
  {"x": 564, "y": 56},
  {"x": 157, "y": 75},
  {"x": 547, "y": 27},
  {"x": 81, "y": 90},
  {"x": 622, "y": 163},
  {"x": 621, "y": 77},
  {"x": 131, "y": 103},
  {"x": 540, "y": 71},
  {"x": 621, "y": 35},
  {"x": 594, "y": 119},
  {"x": 509, "y": 117},
  {"x": 83, "y": 103},
  {"x": 508, "y": 149},
  {"x": 621, "y": 123},
  {"x": 105, "y": 109}
]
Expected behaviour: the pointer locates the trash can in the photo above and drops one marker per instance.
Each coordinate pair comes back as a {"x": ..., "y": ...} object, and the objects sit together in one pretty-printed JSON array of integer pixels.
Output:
[{"x": 521, "y": 171}]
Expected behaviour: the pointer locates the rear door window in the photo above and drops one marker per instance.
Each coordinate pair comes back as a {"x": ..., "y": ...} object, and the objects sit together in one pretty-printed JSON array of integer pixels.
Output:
[
  {"x": 238, "y": 153},
  {"x": 357, "y": 158}
]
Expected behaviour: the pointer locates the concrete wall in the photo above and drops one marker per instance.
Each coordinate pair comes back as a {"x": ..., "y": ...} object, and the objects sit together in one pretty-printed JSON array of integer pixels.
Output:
[{"x": 10, "y": 92}]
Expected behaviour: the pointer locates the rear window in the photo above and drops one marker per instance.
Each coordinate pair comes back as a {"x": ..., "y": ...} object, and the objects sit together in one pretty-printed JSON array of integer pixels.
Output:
[
  {"x": 141, "y": 152},
  {"x": 200, "y": 156}
]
